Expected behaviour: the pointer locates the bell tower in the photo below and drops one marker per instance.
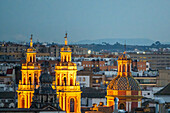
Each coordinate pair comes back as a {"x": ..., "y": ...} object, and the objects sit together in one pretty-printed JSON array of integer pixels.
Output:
[
  {"x": 30, "y": 78},
  {"x": 68, "y": 90},
  {"x": 124, "y": 65}
]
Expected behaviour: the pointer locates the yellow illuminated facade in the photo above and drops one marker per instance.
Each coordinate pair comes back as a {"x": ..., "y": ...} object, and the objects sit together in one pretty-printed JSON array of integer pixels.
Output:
[
  {"x": 124, "y": 87},
  {"x": 68, "y": 90},
  {"x": 30, "y": 78}
]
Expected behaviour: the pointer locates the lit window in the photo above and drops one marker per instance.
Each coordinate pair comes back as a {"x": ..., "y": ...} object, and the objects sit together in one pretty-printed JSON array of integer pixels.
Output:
[
  {"x": 84, "y": 79},
  {"x": 97, "y": 81}
]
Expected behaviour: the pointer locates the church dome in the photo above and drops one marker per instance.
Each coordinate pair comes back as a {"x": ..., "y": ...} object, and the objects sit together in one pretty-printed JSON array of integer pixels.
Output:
[
  {"x": 65, "y": 64},
  {"x": 124, "y": 83},
  {"x": 124, "y": 56},
  {"x": 46, "y": 78},
  {"x": 31, "y": 49},
  {"x": 66, "y": 49}
]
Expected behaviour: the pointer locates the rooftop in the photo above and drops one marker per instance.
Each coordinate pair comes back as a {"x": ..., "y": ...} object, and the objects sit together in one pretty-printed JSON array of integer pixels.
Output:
[{"x": 164, "y": 91}]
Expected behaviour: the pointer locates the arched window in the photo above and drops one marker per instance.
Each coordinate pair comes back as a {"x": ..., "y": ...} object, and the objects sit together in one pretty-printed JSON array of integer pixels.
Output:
[
  {"x": 123, "y": 68},
  {"x": 128, "y": 68},
  {"x": 121, "y": 106},
  {"x": 64, "y": 81},
  {"x": 22, "y": 103},
  {"x": 30, "y": 59},
  {"x": 35, "y": 81},
  {"x": 71, "y": 105},
  {"x": 30, "y": 80},
  {"x": 65, "y": 59},
  {"x": 71, "y": 81},
  {"x": 24, "y": 81},
  {"x": 58, "y": 81},
  {"x": 33, "y": 59},
  {"x": 119, "y": 68}
]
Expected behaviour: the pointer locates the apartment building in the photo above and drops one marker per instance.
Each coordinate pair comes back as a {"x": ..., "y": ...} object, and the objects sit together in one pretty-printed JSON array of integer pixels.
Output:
[
  {"x": 17, "y": 51},
  {"x": 157, "y": 60},
  {"x": 84, "y": 78},
  {"x": 164, "y": 77},
  {"x": 79, "y": 50},
  {"x": 139, "y": 65}
]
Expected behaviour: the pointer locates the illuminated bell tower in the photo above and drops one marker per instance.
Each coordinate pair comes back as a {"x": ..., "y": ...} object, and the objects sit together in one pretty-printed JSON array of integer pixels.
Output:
[
  {"x": 30, "y": 78},
  {"x": 68, "y": 90}
]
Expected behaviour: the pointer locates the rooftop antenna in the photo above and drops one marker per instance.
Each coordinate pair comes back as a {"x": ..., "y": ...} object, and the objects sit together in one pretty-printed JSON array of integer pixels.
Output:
[{"x": 125, "y": 47}]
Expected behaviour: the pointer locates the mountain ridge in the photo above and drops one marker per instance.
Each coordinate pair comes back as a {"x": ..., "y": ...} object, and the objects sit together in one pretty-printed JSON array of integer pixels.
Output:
[{"x": 129, "y": 41}]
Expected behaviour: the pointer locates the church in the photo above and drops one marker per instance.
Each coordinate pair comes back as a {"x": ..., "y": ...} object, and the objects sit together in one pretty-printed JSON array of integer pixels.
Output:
[
  {"x": 124, "y": 86},
  {"x": 31, "y": 72},
  {"x": 37, "y": 90},
  {"x": 68, "y": 90},
  {"x": 32, "y": 89}
]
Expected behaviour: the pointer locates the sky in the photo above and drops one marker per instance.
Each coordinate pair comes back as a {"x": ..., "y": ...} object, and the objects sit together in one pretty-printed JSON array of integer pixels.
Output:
[{"x": 48, "y": 20}]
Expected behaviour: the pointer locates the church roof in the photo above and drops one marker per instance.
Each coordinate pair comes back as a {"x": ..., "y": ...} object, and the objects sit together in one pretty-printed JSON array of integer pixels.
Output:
[
  {"x": 65, "y": 64},
  {"x": 31, "y": 49},
  {"x": 66, "y": 49},
  {"x": 45, "y": 86},
  {"x": 124, "y": 83},
  {"x": 92, "y": 92},
  {"x": 124, "y": 56}
]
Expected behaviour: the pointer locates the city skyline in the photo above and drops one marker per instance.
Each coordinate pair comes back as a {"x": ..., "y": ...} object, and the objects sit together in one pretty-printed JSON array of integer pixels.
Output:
[{"x": 83, "y": 20}]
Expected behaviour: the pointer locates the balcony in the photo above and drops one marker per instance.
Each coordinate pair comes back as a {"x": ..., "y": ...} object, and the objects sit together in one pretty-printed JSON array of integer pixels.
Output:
[
  {"x": 31, "y": 67},
  {"x": 68, "y": 88},
  {"x": 26, "y": 87}
]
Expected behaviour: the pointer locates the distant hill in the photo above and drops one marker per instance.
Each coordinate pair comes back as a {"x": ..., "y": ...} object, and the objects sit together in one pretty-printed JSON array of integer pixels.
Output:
[{"x": 137, "y": 41}]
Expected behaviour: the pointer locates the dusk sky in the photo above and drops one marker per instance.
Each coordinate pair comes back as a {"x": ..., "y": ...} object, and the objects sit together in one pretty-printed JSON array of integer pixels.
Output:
[{"x": 48, "y": 20}]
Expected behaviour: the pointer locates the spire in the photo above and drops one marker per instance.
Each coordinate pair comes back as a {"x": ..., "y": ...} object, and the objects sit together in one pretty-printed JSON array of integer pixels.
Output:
[
  {"x": 31, "y": 44},
  {"x": 65, "y": 39}
]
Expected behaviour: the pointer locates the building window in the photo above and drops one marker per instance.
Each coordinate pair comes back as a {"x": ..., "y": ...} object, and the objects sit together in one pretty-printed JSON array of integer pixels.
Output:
[
  {"x": 79, "y": 78},
  {"x": 84, "y": 79},
  {"x": 123, "y": 68},
  {"x": 97, "y": 81}
]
